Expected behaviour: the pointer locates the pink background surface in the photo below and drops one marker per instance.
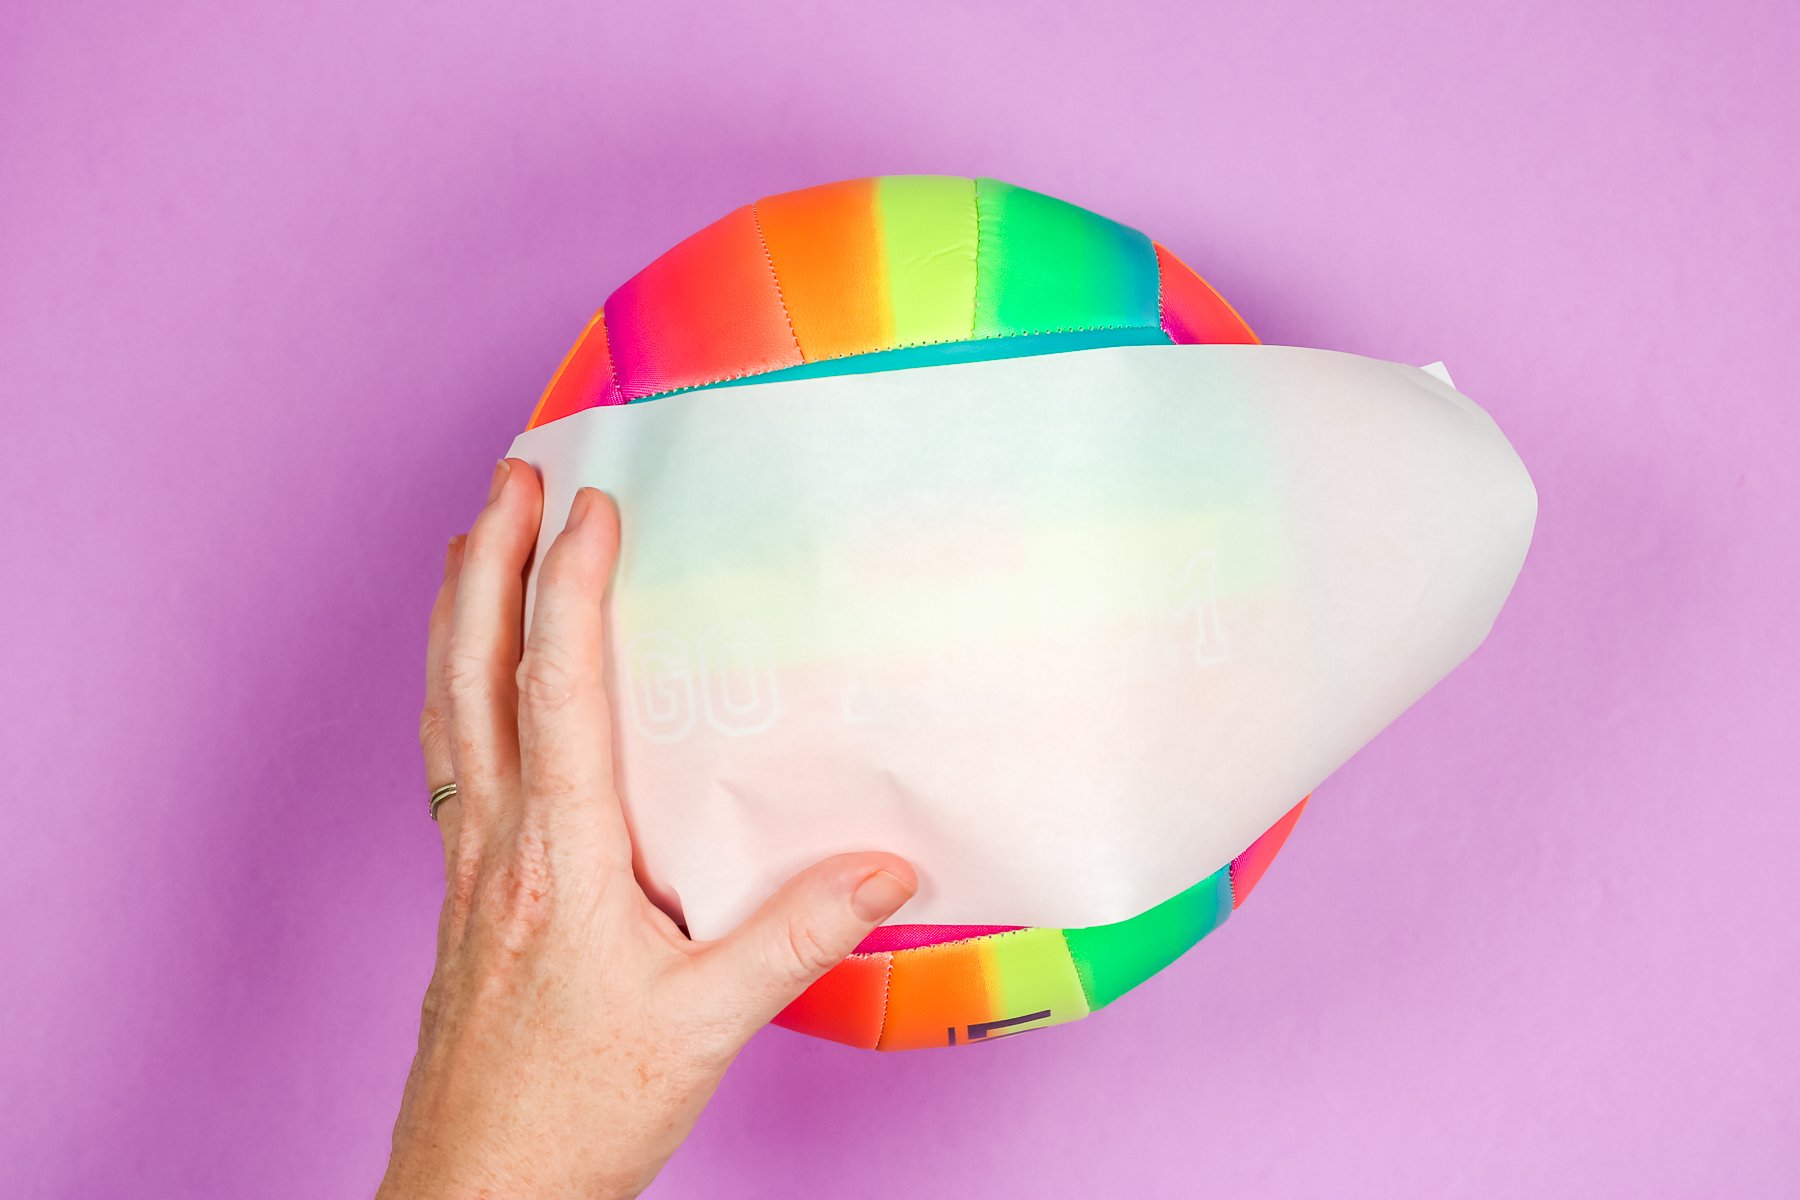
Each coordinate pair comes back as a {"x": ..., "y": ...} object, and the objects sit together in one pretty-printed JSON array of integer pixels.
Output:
[{"x": 278, "y": 282}]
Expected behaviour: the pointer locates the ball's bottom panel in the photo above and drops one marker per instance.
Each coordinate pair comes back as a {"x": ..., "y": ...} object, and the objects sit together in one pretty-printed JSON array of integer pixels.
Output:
[
  {"x": 989, "y": 987},
  {"x": 1001, "y": 984}
]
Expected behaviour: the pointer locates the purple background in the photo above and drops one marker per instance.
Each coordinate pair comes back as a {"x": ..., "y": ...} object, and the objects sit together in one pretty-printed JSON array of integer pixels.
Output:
[{"x": 278, "y": 282}]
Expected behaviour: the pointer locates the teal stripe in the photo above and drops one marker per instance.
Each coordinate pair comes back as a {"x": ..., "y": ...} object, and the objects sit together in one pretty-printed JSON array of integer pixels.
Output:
[{"x": 945, "y": 353}]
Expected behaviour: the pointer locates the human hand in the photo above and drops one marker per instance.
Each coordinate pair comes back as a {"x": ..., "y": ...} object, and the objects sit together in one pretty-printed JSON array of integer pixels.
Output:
[{"x": 571, "y": 1032}]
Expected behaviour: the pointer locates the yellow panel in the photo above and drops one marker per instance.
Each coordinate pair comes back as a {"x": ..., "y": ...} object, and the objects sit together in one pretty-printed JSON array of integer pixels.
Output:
[{"x": 1033, "y": 980}]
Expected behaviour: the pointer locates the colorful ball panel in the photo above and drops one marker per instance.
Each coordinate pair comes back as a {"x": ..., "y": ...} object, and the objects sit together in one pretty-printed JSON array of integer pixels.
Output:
[
  {"x": 939, "y": 268},
  {"x": 1000, "y": 982},
  {"x": 887, "y": 274}
]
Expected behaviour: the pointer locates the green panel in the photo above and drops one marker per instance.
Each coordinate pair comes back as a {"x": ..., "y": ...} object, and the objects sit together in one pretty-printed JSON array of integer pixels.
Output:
[
  {"x": 1113, "y": 959},
  {"x": 927, "y": 228},
  {"x": 1048, "y": 265}
]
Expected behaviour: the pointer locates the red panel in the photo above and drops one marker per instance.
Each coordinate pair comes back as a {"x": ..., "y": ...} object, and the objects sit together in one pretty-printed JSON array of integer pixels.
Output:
[
  {"x": 706, "y": 311},
  {"x": 1194, "y": 314},
  {"x": 1249, "y": 866},
  {"x": 846, "y": 1005}
]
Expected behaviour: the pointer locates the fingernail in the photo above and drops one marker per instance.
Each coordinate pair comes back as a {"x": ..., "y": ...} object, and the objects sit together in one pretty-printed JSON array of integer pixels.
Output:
[
  {"x": 502, "y": 469},
  {"x": 877, "y": 897},
  {"x": 578, "y": 511},
  {"x": 450, "y": 553}
]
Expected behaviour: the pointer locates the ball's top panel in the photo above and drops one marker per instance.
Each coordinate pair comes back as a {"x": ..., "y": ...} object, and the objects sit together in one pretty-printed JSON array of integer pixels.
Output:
[{"x": 883, "y": 274}]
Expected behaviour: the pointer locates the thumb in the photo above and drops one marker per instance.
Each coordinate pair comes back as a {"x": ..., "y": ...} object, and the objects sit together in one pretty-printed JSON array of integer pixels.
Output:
[{"x": 802, "y": 931}]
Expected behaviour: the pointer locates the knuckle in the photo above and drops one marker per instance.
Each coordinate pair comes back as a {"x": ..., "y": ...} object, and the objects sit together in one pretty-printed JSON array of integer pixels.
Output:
[
  {"x": 434, "y": 729},
  {"x": 461, "y": 886},
  {"x": 431, "y": 1009},
  {"x": 517, "y": 898},
  {"x": 544, "y": 679},
  {"x": 465, "y": 673},
  {"x": 808, "y": 954}
]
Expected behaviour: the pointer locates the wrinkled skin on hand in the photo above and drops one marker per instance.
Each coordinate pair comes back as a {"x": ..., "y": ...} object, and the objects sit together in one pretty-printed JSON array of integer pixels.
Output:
[{"x": 571, "y": 1032}]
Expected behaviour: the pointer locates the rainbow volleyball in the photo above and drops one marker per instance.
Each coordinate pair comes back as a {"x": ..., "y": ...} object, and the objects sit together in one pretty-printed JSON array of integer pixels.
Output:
[{"x": 886, "y": 274}]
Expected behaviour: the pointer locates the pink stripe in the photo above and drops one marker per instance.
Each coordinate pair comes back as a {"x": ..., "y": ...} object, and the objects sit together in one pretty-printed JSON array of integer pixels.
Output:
[{"x": 911, "y": 937}]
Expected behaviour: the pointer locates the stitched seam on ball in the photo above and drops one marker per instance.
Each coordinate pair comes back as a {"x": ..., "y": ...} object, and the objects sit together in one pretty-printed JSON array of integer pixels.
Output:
[
  {"x": 887, "y": 992},
  {"x": 612, "y": 360},
  {"x": 986, "y": 337},
  {"x": 781, "y": 297},
  {"x": 1231, "y": 879},
  {"x": 980, "y": 937},
  {"x": 1074, "y": 966},
  {"x": 975, "y": 275},
  {"x": 1162, "y": 316}
]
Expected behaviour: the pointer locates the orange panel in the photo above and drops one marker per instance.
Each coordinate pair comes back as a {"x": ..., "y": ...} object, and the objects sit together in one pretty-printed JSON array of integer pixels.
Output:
[
  {"x": 932, "y": 990},
  {"x": 827, "y": 255}
]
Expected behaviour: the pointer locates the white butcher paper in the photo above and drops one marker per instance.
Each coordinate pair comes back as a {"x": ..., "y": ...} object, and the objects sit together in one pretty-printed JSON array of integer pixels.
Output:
[{"x": 1067, "y": 632}]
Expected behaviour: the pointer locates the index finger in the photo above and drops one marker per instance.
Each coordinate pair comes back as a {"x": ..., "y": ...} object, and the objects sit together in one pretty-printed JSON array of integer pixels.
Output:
[{"x": 565, "y": 716}]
